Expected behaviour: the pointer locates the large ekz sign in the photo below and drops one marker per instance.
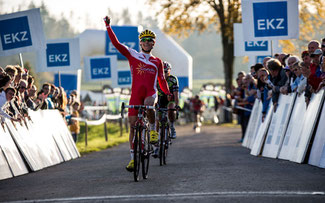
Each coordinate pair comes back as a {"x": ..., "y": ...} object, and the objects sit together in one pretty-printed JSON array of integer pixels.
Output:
[
  {"x": 270, "y": 19},
  {"x": 127, "y": 35},
  {"x": 277, "y": 19},
  {"x": 60, "y": 55},
  {"x": 100, "y": 67},
  {"x": 21, "y": 32}
]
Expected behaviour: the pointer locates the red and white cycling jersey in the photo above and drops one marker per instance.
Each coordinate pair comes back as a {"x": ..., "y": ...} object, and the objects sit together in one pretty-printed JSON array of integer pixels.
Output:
[{"x": 145, "y": 70}]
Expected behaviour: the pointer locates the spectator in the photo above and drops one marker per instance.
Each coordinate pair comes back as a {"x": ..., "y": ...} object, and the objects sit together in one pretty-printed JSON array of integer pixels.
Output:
[
  {"x": 12, "y": 71},
  {"x": 75, "y": 127},
  {"x": 306, "y": 58},
  {"x": 278, "y": 79},
  {"x": 31, "y": 97},
  {"x": 315, "y": 66},
  {"x": 265, "y": 83},
  {"x": 46, "y": 89},
  {"x": 265, "y": 60},
  {"x": 5, "y": 82},
  {"x": 5, "y": 97},
  {"x": 299, "y": 76},
  {"x": 312, "y": 46}
]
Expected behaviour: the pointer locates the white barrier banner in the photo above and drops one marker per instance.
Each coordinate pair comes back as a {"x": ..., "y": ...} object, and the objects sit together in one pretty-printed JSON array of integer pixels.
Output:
[
  {"x": 258, "y": 124},
  {"x": 278, "y": 126},
  {"x": 4, "y": 167},
  {"x": 11, "y": 152},
  {"x": 253, "y": 120},
  {"x": 260, "y": 136},
  {"x": 21, "y": 32},
  {"x": 27, "y": 145},
  {"x": 317, "y": 154},
  {"x": 270, "y": 19},
  {"x": 294, "y": 128},
  {"x": 101, "y": 68},
  {"x": 309, "y": 123},
  {"x": 247, "y": 48},
  {"x": 59, "y": 55}
]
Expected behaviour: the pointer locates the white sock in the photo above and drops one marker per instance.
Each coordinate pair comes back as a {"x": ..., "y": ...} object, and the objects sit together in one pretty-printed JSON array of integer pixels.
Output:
[
  {"x": 152, "y": 126},
  {"x": 132, "y": 154}
]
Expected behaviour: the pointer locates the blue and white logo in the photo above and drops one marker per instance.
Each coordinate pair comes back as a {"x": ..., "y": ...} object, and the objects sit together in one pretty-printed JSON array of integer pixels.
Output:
[
  {"x": 124, "y": 78},
  {"x": 58, "y": 54},
  {"x": 259, "y": 59},
  {"x": 270, "y": 19},
  {"x": 256, "y": 45},
  {"x": 127, "y": 35},
  {"x": 100, "y": 68},
  {"x": 16, "y": 33}
]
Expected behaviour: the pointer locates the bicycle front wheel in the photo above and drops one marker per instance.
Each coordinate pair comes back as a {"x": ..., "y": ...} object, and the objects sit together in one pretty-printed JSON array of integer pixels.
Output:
[
  {"x": 146, "y": 153},
  {"x": 166, "y": 145},
  {"x": 162, "y": 144},
  {"x": 137, "y": 153}
]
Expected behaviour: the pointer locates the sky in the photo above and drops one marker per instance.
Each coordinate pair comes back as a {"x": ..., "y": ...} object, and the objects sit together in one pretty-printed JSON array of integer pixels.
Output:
[{"x": 87, "y": 14}]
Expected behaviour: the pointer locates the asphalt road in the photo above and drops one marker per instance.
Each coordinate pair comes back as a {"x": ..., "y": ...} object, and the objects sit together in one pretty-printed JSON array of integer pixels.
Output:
[{"x": 210, "y": 166}]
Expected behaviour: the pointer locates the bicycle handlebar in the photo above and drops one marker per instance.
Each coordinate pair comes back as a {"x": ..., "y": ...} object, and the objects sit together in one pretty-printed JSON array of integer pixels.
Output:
[{"x": 123, "y": 106}]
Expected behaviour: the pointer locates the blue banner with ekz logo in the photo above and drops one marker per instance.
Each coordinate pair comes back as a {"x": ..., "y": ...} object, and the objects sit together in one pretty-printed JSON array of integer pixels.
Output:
[
  {"x": 127, "y": 35},
  {"x": 21, "y": 32},
  {"x": 124, "y": 78},
  {"x": 16, "y": 34},
  {"x": 256, "y": 45},
  {"x": 58, "y": 54},
  {"x": 100, "y": 68},
  {"x": 270, "y": 19}
]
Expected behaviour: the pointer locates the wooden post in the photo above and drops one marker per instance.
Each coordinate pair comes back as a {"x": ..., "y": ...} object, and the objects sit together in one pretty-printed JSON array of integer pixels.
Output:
[
  {"x": 105, "y": 129},
  {"x": 86, "y": 134}
]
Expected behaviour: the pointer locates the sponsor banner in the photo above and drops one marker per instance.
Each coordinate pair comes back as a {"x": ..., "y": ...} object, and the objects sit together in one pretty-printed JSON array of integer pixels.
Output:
[
  {"x": 60, "y": 55},
  {"x": 100, "y": 68},
  {"x": 267, "y": 20},
  {"x": 21, "y": 32}
]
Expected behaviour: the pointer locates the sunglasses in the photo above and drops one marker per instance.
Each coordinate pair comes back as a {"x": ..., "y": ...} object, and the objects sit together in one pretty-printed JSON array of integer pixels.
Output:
[
  {"x": 22, "y": 87},
  {"x": 146, "y": 40}
]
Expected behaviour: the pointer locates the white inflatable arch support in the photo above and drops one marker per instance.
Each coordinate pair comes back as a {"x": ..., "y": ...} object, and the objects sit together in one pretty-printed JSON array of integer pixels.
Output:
[{"x": 92, "y": 43}]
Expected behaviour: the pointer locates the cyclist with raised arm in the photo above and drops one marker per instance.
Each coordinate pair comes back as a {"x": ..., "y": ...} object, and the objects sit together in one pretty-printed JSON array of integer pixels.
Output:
[
  {"x": 163, "y": 99},
  {"x": 145, "y": 70}
]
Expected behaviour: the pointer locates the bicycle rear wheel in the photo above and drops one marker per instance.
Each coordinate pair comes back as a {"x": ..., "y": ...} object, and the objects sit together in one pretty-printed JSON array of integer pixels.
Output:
[
  {"x": 137, "y": 153},
  {"x": 166, "y": 145},
  {"x": 146, "y": 153},
  {"x": 161, "y": 144}
]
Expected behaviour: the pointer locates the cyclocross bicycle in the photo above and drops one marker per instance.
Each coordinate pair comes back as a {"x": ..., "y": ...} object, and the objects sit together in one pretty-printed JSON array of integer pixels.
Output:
[{"x": 141, "y": 140}]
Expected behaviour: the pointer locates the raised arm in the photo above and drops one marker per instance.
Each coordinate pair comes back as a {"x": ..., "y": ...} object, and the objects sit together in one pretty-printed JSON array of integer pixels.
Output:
[{"x": 120, "y": 47}]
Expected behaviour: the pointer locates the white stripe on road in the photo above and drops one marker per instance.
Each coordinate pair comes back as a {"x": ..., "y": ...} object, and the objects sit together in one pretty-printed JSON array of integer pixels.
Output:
[{"x": 180, "y": 195}]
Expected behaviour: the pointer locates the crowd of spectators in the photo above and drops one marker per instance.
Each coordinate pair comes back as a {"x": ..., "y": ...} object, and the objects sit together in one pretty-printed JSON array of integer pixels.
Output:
[
  {"x": 18, "y": 94},
  {"x": 281, "y": 74}
]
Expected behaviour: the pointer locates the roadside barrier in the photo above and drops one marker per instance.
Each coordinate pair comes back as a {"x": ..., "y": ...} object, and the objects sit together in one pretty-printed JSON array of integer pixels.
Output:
[
  {"x": 294, "y": 132},
  {"x": 32, "y": 145},
  {"x": 103, "y": 120}
]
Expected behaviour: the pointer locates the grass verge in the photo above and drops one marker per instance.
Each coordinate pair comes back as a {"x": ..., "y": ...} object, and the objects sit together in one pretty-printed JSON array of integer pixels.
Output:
[{"x": 96, "y": 137}]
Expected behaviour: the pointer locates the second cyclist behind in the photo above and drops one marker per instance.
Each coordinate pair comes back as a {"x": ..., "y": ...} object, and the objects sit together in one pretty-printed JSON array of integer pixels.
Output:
[{"x": 173, "y": 102}]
